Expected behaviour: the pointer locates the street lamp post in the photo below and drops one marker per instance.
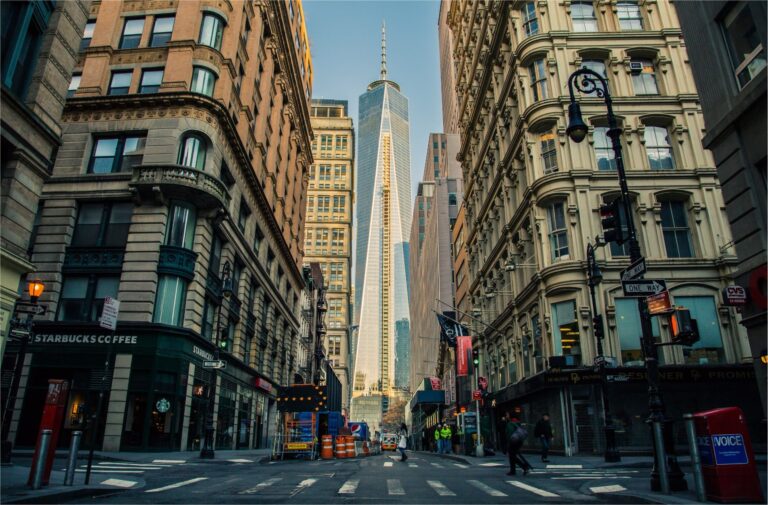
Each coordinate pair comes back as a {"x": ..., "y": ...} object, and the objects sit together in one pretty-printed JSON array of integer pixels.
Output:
[
  {"x": 594, "y": 277},
  {"x": 589, "y": 81},
  {"x": 207, "y": 451},
  {"x": 35, "y": 289}
]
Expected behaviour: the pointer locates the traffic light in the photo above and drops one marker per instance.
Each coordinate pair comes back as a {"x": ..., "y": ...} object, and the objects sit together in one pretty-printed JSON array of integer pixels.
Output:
[
  {"x": 475, "y": 357},
  {"x": 685, "y": 331},
  {"x": 597, "y": 326},
  {"x": 612, "y": 221}
]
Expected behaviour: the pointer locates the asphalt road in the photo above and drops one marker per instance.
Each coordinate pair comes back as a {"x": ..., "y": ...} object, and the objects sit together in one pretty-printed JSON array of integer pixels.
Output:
[{"x": 376, "y": 479}]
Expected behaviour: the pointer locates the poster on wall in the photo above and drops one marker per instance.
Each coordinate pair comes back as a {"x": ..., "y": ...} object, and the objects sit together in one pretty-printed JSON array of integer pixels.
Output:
[{"x": 464, "y": 346}]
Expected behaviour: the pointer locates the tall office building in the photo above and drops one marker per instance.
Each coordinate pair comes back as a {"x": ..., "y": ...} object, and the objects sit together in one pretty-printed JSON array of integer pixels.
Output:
[
  {"x": 328, "y": 239},
  {"x": 384, "y": 210}
]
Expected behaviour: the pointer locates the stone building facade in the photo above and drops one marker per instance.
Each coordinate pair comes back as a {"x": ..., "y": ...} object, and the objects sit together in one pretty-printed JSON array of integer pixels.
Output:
[
  {"x": 328, "y": 235},
  {"x": 179, "y": 189},
  {"x": 532, "y": 198},
  {"x": 731, "y": 38}
]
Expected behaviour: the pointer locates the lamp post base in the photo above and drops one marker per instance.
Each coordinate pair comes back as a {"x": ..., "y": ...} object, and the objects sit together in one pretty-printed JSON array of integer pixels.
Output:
[{"x": 675, "y": 474}]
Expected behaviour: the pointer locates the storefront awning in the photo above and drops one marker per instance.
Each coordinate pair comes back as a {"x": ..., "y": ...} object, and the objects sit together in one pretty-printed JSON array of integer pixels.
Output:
[{"x": 427, "y": 397}]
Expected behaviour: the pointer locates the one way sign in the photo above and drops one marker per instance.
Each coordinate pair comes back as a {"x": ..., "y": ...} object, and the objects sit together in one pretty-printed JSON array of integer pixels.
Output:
[{"x": 643, "y": 287}]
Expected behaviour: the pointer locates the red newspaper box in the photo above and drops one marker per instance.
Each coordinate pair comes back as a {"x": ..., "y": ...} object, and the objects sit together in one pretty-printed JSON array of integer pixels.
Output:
[
  {"x": 727, "y": 459},
  {"x": 53, "y": 415}
]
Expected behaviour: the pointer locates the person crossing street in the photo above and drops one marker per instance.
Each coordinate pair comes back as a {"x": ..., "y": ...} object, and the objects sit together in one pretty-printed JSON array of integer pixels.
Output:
[
  {"x": 438, "y": 443},
  {"x": 543, "y": 432},
  {"x": 516, "y": 434},
  {"x": 445, "y": 435}
]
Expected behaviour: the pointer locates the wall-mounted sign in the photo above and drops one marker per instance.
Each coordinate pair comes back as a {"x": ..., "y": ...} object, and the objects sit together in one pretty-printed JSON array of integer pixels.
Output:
[
  {"x": 734, "y": 296},
  {"x": 203, "y": 354},
  {"x": 109, "y": 313},
  {"x": 163, "y": 405},
  {"x": 262, "y": 384},
  {"x": 50, "y": 338}
]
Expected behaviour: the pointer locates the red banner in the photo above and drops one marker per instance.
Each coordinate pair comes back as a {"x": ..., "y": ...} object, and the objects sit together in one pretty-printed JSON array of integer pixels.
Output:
[
  {"x": 435, "y": 383},
  {"x": 464, "y": 345}
]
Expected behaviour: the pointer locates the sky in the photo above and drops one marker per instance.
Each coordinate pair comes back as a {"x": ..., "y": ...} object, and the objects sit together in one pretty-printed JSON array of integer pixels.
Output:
[{"x": 345, "y": 43}]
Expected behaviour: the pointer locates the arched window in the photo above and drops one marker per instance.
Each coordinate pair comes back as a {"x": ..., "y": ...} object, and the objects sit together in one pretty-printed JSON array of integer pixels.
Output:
[
  {"x": 558, "y": 234},
  {"x": 211, "y": 30},
  {"x": 677, "y": 233},
  {"x": 658, "y": 148},
  {"x": 530, "y": 22},
  {"x": 193, "y": 150},
  {"x": 203, "y": 81},
  {"x": 538, "y": 73}
]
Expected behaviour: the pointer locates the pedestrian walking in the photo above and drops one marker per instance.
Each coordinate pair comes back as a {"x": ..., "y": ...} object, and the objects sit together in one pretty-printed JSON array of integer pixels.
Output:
[
  {"x": 438, "y": 444},
  {"x": 402, "y": 444},
  {"x": 516, "y": 434},
  {"x": 543, "y": 432},
  {"x": 445, "y": 435}
]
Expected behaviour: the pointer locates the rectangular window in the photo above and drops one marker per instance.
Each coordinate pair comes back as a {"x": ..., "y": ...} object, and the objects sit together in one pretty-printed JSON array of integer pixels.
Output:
[
  {"x": 214, "y": 261},
  {"x": 23, "y": 26},
  {"x": 630, "y": 332},
  {"x": 161, "y": 31},
  {"x": 74, "y": 84},
  {"x": 583, "y": 17},
  {"x": 606, "y": 158},
  {"x": 565, "y": 334},
  {"x": 102, "y": 224},
  {"x": 203, "y": 81},
  {"x": 120, "y": 82},
  {"x": 209, "y": 310},
  {"x": 629, "y": 16},
  {"x": 132, "y": 30},
  {"x": 530, "y": 22},
  {"x": 548, "y": 152},
  {"x": 658, "y": 148},
  {"x": 709, "y": 349},
  {"x": 558, "y": 234},
  {"x": 85, "y": 42},
  {"x": 169, "y": 303},
  {"x": 151, "y": 80},
  {"x": 257, "y": 239},
  {"x": 82, "y": 297},
  {"x": 744, "y": 42},
  {"x": 597, "y": 66},
  {"x": 674, "y": 224},
  {"x": 211, "y": 30},
  {"x": 117, "y": 154},
  {"x": 181, "y": 226},
  {"x": 644, "y": 82},
  {"x": 242, "y": 218},
  {"x": 538, "y": 76}
]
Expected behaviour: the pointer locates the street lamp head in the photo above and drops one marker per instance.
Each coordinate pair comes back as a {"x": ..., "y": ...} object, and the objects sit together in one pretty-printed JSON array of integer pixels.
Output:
[
  {"x": 510, "y": 266},
  {"x": 577, "y": 129},
  {"x": 35, "y": 288},
  {"x": 597, "y": 275}
]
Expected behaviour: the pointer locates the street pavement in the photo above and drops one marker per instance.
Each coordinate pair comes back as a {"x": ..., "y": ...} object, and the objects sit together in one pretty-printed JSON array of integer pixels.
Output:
[{"x": 424, "y": 478}]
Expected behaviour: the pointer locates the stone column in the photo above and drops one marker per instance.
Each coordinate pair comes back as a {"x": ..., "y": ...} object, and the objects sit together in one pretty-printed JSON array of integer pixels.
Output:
[
  {"x": 187, "y": 407},
  {"x": 113, "y": 430}
]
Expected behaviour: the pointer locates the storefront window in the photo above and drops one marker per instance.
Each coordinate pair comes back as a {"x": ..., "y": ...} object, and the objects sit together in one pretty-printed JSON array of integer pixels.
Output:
[
  {"x": 225, "y": 424},
  {"x": 630, "y": 332},
  {"x": 709, "y": 349},
  {"x": 244, "y": 424},
  {"x": 565, "y": 332}
]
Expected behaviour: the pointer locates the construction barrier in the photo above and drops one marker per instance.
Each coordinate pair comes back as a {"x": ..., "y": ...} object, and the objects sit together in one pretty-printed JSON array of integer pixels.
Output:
[
  {"x": 350, "y": 446},
  {"x": 366, "y": 451},
  {"x": 327, "y": 447},
  {"x": 341, "y": 446}
]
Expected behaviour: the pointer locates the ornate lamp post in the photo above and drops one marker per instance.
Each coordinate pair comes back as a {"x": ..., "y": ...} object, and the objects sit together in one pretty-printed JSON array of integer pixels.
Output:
[
  {"x": 207, "y": 451},
  {"x": 589, "y": 81}
]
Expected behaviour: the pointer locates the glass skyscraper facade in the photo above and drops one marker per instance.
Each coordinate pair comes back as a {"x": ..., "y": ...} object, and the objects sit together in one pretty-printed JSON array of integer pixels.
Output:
[{"x": 383, "y": 227}]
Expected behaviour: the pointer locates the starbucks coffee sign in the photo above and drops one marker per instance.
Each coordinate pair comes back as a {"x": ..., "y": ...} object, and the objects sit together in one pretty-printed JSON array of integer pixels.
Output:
[{"x": 51, "y": 338}]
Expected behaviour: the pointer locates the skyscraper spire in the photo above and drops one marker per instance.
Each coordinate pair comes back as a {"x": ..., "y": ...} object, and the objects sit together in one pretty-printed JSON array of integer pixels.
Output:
[{"x": 383, "y": 51}]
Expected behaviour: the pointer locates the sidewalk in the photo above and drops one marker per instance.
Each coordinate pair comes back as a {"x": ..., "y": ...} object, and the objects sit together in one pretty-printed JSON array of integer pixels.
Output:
[{"x": 13, "y": 478}]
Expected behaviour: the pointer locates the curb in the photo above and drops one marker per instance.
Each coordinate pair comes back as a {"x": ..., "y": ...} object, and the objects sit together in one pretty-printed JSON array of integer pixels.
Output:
[{"x": 69, "y": 495}]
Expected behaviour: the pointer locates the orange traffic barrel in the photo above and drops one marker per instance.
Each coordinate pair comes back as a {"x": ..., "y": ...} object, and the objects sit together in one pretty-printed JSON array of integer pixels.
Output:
[
  {"x": 327, "y": 448},
  {"x": 350, "y": 446},
  {"x": 341, "y": 447}
]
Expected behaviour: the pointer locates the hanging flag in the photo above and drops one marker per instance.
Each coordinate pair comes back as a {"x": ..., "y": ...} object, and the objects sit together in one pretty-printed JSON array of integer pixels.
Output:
[
  {"x": 462, "y": 360},
  {"x": 450, "y": 328}
]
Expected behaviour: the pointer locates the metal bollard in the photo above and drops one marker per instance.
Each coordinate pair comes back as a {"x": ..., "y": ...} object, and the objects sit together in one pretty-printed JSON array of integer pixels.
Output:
[
  {"x": 45, "y": 441},
  {"x": 69, "y": 477},
  {"x": 698, "y": 476},
  {"x": 661, "y": 455}
]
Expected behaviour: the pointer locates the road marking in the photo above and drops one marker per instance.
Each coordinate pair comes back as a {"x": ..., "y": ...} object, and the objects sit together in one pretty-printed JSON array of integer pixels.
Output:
[
  {"x": 82, "y": 470},
  {"x": 438, "y": 465},
  {"x": 349, "y": 487},
  {"x": 413, "y": 465},
  {"x": 261, "y": 485},
  {"x": 440, "y": 488},
  {"x": 387, "y": 463},
  {"x": 532, "y": 489},
  {"x": 174, "y": 486},
  {"x": 302, "y": 486},
  {"x": 118, "y": 483},
  {"x": 614, "y": 488},
  {"x": 565, "y": 466},
  {"x": 592, "y": 477},
  {"x": 492, "y": 464},
  {"x": 460, "y": 465},
  {"x": 171, "y": 461},
  {"x": 128, "y": 467},
  {"x": 394, "y": 487},
  {"x": 240, "y": 460},
  {"x": 486, "y": 489}
]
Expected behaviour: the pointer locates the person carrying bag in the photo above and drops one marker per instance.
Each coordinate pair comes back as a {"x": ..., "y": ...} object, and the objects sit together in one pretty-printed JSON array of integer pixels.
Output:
[
  {"x": 403, "y": 442},
  {"x": 516, "y": 435}
]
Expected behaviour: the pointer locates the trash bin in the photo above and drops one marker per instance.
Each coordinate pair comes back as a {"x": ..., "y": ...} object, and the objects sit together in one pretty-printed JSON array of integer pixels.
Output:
[{"x": 727, "y": 459}]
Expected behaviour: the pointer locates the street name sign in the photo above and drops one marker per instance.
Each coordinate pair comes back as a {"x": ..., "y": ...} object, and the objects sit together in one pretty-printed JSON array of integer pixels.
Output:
[
  {"x": 216, "y": 363},
  {"x": 29, "y": 308},
  {"x": 634, "y": 270},
  {"x": 109, "y": 313},
  {"x": 643, "y": 287},
  {"x": 19, "y": 333}
]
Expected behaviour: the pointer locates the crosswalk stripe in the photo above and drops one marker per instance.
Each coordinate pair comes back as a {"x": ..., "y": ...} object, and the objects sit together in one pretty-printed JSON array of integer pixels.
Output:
[
  {"x": 302, "y": 486},
  {"x": 440, "y": 488},
  {"x": 394, "y": 487},
  {"x": 349, "y": 487},
  {"x": 258, "y": 487},
  {"x": 143, "y": 465},
  {"x": 413, "y": 465},
  {"x": 485, "y": 488},
  {"x": 532, "y": 489},
  {"x": 438, "y": 465},
  {"x": 240, "y": 460},
  {"x": 592, "y": 477},
  {"x": 126, "y": 467},
  {"x": 118, "y": 483},
  {"x": 615, "y": 488},
  {"x": 387, "y": 463},
  {"x": 491, "y": 464},
  {"x": 171, "y": 461},
  {"x": 565, "y": 466},
  {"x": 83, "y": 470},
  {"x": 174, "y": 486},
  {"x": 460, "y": 465}
]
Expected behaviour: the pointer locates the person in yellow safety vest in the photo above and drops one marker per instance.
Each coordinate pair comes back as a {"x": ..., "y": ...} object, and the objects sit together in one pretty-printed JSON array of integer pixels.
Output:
[
  {"x": 438, "y": 444},
  {"x": 445, "y": 434}
]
